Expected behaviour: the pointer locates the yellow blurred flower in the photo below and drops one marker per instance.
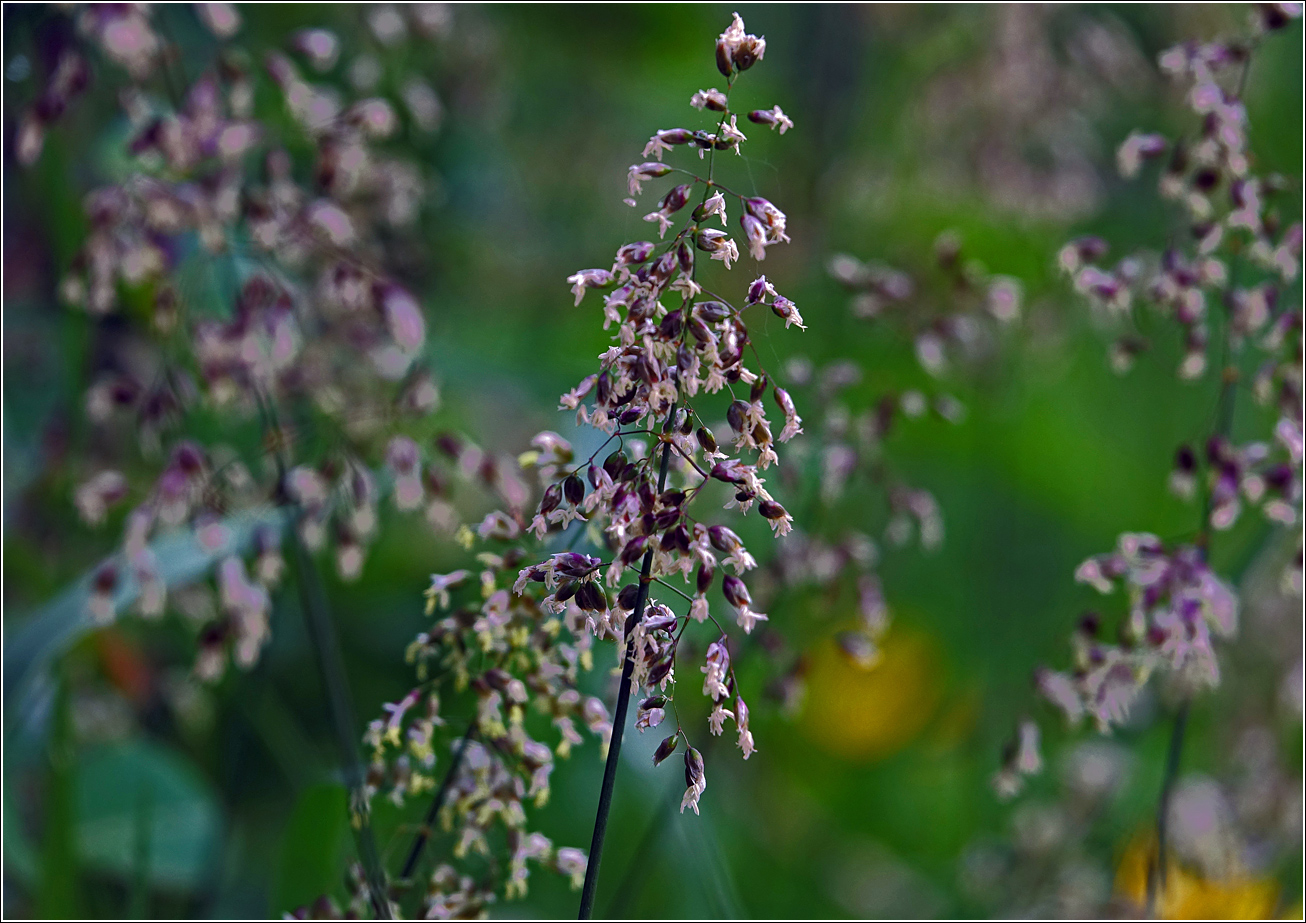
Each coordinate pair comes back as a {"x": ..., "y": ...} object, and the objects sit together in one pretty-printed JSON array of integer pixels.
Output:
[
  {"x": 868, "y": 713},
  {"x": 1187, "y": 895}
]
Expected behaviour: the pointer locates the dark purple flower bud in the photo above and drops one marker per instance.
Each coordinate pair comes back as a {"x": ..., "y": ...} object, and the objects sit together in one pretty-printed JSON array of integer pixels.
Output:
[
  {"x": 591, "y": 598},
  {"x": 736, "y": 592},
  {"x": 676, "y": 539},
  {"x": 783, "y": 308},
  {"x": 1185, "y": 459},
  {"x": 728, "y": 472},
  {"x": 675, "y": 200},
  {"x": 749, "y": 52},
  {"x": 589, "y": 278},
  {"x": 552, "y": 497},
  {"x": 675, "y": 136},
  {"x": 651, "y": 170},
  {"x": 671, "y": 325},
  {"x": 693, "y": 768},
  {"x": 615, "y": 464},
  {"x": 1206, "y": 180},
  {"x": 666, "y": 748},
  {"x": 757, "y": 290},
  {"x": 188, "y": 458},
  {"x": 449, "y": 444},
  {"x": 737, "y": 415},
  {"x": 665, "y": 519},
  {"x": 148, "y": 139},
  {"x": 566, "y": 590},
  {"x": 700, "y": 212},
  {"x": 634, "y": 548},
  {"x": 1090, "y": 249},
  {"x": 213, "y": 635},
  {"x": 710, "y": 240},
  {"x": 106, "y": 578},
  {"x": 723, "y": 61},
  {"x": 700, "y": 330},
  {"x": 663, "y": 268},
  {"x": 657, "y": 701},
  {"x": 706, "y": 440},
  {"x": 573, "y": 488},
  {"x": 758, "y": 389},
  {"x": 125, "y": 392},
  {"x": 635, "y": 253},
  {"x": 772, "y": 510},
  {"x": 628, "y": 597},
  {"x": 664, "y": 621},
  {"x": 712, "y": 311},
  {"x": 684, "y": 362},
  {"x": 685, "y": 256},
  {"x": 1279, "y": 478},
  {"x": 1276, "y": 16},
  {"x": 704, "y": 579},
  {"x": 574, "y": 564},
  {"x": 660, "y": 670},
  {"x": 759, "y": 208},
  {"x": 712, "y": 99}
]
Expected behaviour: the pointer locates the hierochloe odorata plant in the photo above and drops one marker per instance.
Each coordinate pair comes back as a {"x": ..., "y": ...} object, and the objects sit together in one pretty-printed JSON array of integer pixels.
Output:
[
  {"x": 521, "y": 636},
  {"x": 239, "y": 289},
  {"x": 238, "y": 278},
  {"x": 1228, "y": 280}
]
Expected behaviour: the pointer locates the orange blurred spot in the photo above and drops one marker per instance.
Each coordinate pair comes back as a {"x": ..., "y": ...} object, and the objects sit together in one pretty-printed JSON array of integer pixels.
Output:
[
  {"x": 870, "y": 713},
  {"x": 124, "y": 665},
  {"x": 1188, "y": 896}
]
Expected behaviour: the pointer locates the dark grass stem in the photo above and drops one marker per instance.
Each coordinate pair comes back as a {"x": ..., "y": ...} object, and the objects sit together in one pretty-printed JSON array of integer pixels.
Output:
[
  {"x": 623, "y": 704},
  {"x": 437, "y": 802}
]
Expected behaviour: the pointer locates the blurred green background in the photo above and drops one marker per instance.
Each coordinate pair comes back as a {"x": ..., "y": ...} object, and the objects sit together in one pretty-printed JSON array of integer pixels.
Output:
[{"x": 998, "y": 123}]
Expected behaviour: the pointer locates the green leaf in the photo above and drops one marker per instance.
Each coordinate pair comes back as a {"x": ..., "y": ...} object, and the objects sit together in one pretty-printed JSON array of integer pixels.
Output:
[
  {"x": 315, "y": 847},
  {"x": 58, "y": 894},
  {"x": 32, "y": 647},
  {"x": 121, "y": 787}
]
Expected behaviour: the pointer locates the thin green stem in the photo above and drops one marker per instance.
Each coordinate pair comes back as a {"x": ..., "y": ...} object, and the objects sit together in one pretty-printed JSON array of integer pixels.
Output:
[
  {"x": 1223, "y": 426},
  {"x": 1156, "y": 880},
  {"x": 331, "y": 668},
  {"x": 326, "y": 648}
]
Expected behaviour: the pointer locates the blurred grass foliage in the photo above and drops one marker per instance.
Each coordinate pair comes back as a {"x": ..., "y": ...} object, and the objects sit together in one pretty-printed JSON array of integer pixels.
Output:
[{"x": 863, "y": 803}]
